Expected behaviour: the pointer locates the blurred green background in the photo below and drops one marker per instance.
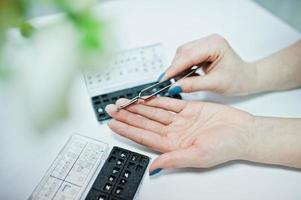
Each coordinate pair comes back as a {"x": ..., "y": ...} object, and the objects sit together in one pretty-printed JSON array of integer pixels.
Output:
[
  {"x": 28, "y": 62},
  {"x": 16, "y": 13}
]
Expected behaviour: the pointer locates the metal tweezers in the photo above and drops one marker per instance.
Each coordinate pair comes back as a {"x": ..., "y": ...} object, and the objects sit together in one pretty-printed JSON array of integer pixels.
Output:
[{"x": 150, "y": 88}]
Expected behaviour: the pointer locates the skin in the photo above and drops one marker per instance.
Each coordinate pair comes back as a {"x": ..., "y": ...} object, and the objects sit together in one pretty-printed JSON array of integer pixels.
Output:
[{"x": 202, "y": 134}]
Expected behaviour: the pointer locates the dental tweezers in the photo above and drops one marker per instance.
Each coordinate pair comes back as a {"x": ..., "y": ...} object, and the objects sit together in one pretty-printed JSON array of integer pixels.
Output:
[{"x": 153, "y": 88}]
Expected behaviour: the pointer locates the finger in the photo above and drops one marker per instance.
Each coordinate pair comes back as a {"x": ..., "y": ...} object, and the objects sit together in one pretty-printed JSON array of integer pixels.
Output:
[
  {"x": 166, "y": 103},
  {"x": 135, "y": 120},
  {"x": 197, "y": 83},
  {"x": 196, "y": 52},
  {"x": 176, "y": 159},
  {"x": 141, "y": 136},
  {"x": 153, "y": 113}
]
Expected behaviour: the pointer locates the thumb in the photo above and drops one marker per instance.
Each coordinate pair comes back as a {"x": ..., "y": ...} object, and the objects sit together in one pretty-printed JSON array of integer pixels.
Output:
[
  {"x": 207, "y": 82},
  {"x": 175, "y": 159}
]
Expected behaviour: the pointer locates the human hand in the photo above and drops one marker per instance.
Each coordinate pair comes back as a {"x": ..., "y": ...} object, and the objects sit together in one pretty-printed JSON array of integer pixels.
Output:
[
  {"x": 226, "y": 73},
  {"x": 189, "y": 134}
]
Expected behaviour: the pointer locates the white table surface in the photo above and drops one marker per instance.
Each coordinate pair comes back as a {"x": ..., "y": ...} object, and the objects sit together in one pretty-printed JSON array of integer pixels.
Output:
[{"x": 252, "y": 31}]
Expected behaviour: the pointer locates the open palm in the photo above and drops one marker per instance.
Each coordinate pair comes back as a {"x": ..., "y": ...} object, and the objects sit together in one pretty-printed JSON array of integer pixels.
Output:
[{"x": 190, "y": 134}]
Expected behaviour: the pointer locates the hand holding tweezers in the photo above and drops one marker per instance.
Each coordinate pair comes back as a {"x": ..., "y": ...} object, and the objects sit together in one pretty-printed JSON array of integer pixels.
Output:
[{"x": 142, "y": 94}]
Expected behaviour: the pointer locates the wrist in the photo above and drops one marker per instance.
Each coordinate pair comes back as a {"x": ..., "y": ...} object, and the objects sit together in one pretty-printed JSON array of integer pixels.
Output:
[
  {"x": 254, "y": 84},
  {"x": 247, "y": 81},
  {"x": 252, "y": 148},
  {"x": 247, "y": 137},
  {"x": 259, "y": 80},
  {"x": 274, "y": 141}
]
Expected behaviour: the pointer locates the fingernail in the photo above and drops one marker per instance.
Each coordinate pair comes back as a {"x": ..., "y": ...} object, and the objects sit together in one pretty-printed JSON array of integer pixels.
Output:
[
  {"x": 107, "y": 108},
  {"x": 175, "y": 90},
  {"x": 155, "y": 171},
  {"x": 111, "y": 108},
  {"x": 161, "y": 76}
]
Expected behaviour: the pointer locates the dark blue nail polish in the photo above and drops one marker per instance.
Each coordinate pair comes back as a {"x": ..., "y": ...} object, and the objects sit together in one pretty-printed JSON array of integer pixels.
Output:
[
  {"x": 175, "y": 90},
  {"x": 161, "y": 76},
  {"x": 155, "y": 171}
]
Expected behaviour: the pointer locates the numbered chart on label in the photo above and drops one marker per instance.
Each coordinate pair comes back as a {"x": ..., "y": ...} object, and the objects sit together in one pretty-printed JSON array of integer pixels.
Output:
[
  {"x": 72, "y": 170},
  {"x": 138, "y": 65}
]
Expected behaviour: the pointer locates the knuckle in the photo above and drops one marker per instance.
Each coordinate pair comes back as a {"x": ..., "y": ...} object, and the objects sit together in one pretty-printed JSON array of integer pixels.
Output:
[
  {"x": 119, "y": 116},
  {"x": 172, "y": 162},
  {"x": 144, "y": 123},
  {"x": 216, "y": 38},
  {"x": 185, "y": 105},
  {"x": 179, "y": 50},
  {"x": 134, "y": 108},
  {"x": 187, "y": 86},
  {"x": 154, "y": 114},
  {"x": 171, "y": 117},
  {"x": 124, "y": 117},
  {"x": 217, "y": 86},
  {"x": 141, "y": 140},
  {"x": 163, "y": 131},
  {"x": 125, "y": 133},
  {"x": 191, "y": 87},
  {"x": 182, "y": 49},
  {"x": 162, "y": 160}
]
